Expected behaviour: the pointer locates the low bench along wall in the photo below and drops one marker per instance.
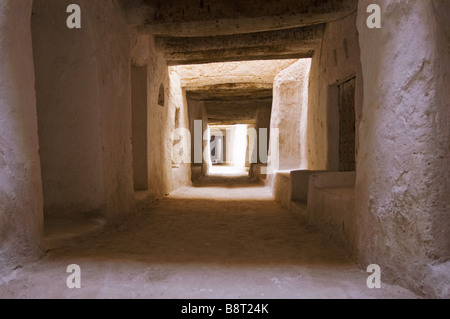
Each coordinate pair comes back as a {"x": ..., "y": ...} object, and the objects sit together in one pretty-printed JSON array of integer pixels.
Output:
[
  {"x": 282, "y": 188},
  {"x": 331, "y": 198},
  {"x": 299, "y": 184},
  {"x": 292, "y": 186}
]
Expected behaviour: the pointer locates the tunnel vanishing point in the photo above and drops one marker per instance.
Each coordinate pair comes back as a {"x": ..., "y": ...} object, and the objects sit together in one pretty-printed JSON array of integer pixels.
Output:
[{"x": 130, "y": 117}]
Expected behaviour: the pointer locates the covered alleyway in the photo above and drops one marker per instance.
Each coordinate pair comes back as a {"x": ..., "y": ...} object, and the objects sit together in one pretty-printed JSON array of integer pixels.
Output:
[{"x": 224, "y": 148}]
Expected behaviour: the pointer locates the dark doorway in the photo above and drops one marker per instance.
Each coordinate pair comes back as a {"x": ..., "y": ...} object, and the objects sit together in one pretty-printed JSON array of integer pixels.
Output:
[
  {"x": 139, "y": 126},
  {"x": 347, "y": 126}
]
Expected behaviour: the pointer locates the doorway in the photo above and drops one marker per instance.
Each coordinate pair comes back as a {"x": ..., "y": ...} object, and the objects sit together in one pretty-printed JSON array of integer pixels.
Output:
[
  {"x": 139, "y": 127},
  {"x": 347, "y": 162},
  {"x": 229, "y": 150}
]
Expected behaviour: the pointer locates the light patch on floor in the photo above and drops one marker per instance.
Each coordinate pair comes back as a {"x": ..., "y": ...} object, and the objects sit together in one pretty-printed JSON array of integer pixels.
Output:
[{"x": 225, "y": 170}]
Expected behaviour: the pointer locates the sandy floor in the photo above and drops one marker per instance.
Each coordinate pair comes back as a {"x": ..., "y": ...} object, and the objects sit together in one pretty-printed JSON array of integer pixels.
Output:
[{"x": 215, "y": 240}]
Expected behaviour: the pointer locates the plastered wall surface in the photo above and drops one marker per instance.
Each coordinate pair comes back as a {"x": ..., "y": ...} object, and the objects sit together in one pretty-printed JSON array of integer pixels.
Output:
[
  {"x": 21, "y": 217},
  {"x": 180, "y": 141},
  {"x": 67, "y": 90},
  {"x": 160, "y": 117},
  {"x": 402, "y": 169},
  {"x": 289, "y": 111},
  {"x": 337, "y": 61}
]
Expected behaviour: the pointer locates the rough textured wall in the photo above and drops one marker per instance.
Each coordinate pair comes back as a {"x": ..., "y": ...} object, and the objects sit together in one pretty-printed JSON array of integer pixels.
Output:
[
  {"x": 181, "y": 143},
  {"x": 403, "y": 177},
  {"x": 290, "y": 100},
  {"x": 197, "y": 112},
  {"x": 337, "y": 61},
  {"x": 68, "y": 110},
  {"x": 20, "y": 181},
  {"x": 159, "y": 117},
  {"x": 113, "y": 54},
  {"x": 84, "y": 106}
]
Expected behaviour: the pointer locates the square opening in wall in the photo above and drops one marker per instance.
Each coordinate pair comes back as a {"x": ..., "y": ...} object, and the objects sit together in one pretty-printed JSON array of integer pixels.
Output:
[{"x": 161, "y": 95}]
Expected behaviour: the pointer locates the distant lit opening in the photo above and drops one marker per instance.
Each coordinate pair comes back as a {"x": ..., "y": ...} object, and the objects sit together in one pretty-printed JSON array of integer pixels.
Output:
[{"x": 229, "y": 149}]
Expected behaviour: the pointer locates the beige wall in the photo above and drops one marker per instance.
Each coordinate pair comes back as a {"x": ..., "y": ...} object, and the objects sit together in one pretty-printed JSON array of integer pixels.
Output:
[
  {"x": 403, "y": 176},
  {"x": 337, "y": 61},
  {"x": 290, "y": 101},
  {"x": 113, "y": 54},
  {"x": 161, "y": 119},
  {"x": 181, "y": 173},
  {"x": 21, "y": 217},
  {"x": 84, "y": 108},
  {"x": 67, "y": 91}
]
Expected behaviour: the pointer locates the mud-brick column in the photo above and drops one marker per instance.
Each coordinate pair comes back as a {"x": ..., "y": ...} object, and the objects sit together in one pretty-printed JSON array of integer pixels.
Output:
[
  {"x": 403, "y": 175},
  {"x": 21, "y": 217}
]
